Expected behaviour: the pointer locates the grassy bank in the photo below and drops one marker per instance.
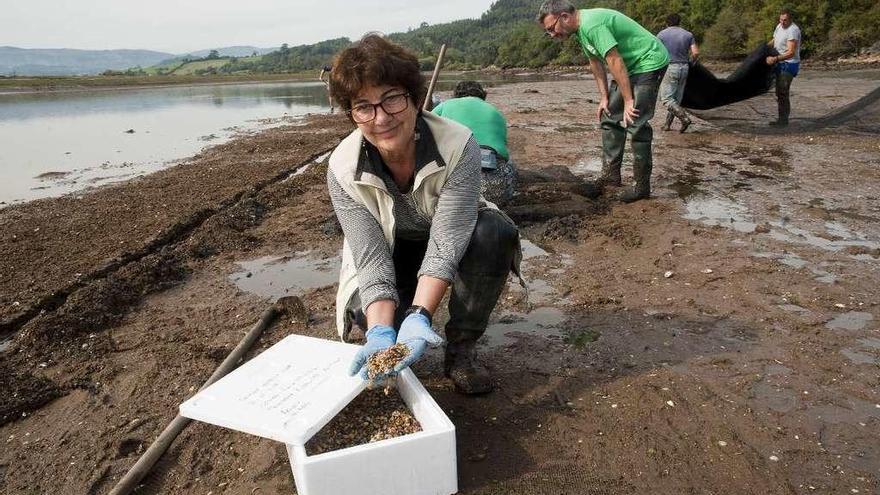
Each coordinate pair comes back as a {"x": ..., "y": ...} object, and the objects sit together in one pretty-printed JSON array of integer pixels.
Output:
[{"x": 53, "y": 83}]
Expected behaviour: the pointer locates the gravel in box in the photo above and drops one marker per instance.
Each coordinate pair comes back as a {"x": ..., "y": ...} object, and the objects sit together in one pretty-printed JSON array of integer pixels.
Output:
[{"x": 372, "y": 416}]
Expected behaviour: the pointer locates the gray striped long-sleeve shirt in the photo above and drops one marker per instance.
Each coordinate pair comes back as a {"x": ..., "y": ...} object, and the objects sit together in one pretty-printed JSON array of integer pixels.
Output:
[{"x": 448, "y": 232}]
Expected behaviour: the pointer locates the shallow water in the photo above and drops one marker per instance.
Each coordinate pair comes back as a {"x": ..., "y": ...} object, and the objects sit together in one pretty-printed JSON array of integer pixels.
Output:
[
  {"x": 774, "y": 397},
  {"x": 586, "y": 166},
  {"x": 272, "y": 277},
  {"x": 531, "y": 250},
  {"x": 789, "y": 233},
  {"x": 719, "y": 211},
  {"x": 54, "y": 143},
  {"x": 543, "y": 315},
  {"x": 545, "y": 321},
  {"x": 853, "y": 320},
  {"x": 857, "y": 357}
]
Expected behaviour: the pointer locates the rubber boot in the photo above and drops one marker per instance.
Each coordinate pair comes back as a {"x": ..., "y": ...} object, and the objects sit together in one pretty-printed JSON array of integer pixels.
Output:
[
  {"x": 641, "y": 173},
  {"x": 610, "y": 175},
  {"x": 783, "y": 101},
  {"x": 460, "y": 365},
  {"x": 493, "y": 251},
  {"x": 682, "y": 115},
  {"x": 613, "y": 142},
  {"x": 472, "y": 301},
  {"x": 782, "y": 121},
  {"x": 669, "y": 118}
]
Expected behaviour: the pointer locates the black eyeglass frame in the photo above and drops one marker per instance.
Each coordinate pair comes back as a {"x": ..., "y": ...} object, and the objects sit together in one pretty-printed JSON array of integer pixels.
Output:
[
  {"x": 550, "y": 31},
  {"x": 380, "y": 104}
]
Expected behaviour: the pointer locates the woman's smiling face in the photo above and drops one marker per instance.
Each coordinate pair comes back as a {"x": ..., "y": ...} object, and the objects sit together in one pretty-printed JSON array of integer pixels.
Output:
[{"x": 390, "y": 132}]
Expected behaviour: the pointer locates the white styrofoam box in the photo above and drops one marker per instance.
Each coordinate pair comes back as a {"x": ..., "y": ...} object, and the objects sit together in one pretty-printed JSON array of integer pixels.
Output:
[
  {"x": 294, "y": 388},
  {"x": 287, "y": 393},
  {"x": 422, "y": 463}
]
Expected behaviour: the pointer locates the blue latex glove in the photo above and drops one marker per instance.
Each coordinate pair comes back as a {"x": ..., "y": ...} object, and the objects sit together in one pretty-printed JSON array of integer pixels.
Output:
[
  {"x": 379, "y": 338},
  {"x": 416, "y": 333}
]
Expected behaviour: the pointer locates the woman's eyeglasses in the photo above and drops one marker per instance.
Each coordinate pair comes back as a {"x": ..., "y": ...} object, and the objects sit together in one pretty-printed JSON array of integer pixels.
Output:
[{"x": 391, "y": 104}]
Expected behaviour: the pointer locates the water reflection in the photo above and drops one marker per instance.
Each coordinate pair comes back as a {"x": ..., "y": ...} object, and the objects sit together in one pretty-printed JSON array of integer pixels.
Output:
[
  {"x": 79, "y": 103},
  {"x": 55, "y": 143},
  {"x": 272, "y": 277}
]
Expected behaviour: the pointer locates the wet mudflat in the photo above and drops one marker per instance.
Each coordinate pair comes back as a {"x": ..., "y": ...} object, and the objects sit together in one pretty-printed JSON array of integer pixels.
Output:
[{"x": 719, "y": 338}]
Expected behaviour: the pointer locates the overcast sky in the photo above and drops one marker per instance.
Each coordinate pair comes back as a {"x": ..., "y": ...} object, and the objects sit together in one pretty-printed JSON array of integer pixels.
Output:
[{"x": 180, "y": 26}]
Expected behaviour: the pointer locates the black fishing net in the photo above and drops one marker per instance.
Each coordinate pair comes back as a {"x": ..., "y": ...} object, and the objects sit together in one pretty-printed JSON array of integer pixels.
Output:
[
  {"x": 862, "y": 115},
  {"x": 753, "y": 77}
]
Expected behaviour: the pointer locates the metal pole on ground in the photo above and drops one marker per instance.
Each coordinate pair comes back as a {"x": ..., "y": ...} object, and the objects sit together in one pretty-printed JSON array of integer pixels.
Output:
[
  {"x": 434, "y": 76},
  {"x": 166, "y": 438}
]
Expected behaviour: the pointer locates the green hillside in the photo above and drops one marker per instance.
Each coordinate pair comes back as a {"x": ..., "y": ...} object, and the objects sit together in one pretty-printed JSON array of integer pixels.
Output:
[{"x": 507, "y": 35}]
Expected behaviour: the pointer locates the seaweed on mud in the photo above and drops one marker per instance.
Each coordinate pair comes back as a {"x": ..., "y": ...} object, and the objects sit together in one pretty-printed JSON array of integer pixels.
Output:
[
  {"x": 22, "y": 393},
  {"x": 102, "y": 303},
  {"x": 563, "y": 228},
  {"x": 624, "y": 233},
  {"x": 331, "y": 227},
  {"x": 243, "y": 215},
  {"x": 227, "y": 229},
  {"x": 582, "y": 337}
]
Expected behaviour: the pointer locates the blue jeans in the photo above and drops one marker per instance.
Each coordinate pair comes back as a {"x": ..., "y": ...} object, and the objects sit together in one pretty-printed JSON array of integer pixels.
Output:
[{"x": 672, "y": 87}]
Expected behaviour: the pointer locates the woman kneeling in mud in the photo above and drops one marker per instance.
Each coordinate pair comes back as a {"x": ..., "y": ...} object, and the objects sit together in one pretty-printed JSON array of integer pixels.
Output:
[{"x": 405, "y": 186}]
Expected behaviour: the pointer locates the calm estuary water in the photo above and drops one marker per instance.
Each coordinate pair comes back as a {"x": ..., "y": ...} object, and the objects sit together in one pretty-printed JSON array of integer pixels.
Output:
[{"x": 55, "y": 143}]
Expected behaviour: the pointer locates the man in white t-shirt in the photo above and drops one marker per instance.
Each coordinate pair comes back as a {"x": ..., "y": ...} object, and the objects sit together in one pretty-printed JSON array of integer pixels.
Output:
[{"x": 787, "y": 42}]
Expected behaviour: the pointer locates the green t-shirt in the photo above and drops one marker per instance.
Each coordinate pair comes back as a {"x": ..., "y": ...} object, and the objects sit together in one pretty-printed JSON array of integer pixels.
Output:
[
  {"x": 603, "y": 29},
  {"x": 483, "y": 119}
]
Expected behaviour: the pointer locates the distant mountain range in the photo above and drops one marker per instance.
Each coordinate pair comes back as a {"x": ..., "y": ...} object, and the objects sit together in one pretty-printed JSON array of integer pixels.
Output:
[{"x": 66, "y": 61}]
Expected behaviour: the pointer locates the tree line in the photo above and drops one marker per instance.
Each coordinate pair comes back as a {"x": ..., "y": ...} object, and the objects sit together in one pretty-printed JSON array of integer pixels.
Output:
[{"x": 507, "y": 35}]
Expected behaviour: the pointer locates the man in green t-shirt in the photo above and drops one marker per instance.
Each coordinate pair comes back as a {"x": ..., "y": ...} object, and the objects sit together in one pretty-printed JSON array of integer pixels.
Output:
[
  {"x": 469, "y": 108},
  {"x": 637, "y": 61}
]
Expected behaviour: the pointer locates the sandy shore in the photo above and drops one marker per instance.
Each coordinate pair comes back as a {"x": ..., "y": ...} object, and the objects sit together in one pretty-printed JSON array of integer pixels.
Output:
[{"x": 721, "y": 337}]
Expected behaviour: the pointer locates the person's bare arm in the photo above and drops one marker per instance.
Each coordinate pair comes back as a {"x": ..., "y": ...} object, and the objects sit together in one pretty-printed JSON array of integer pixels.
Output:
[
  {"x": 790, "y": 47},
  {"x": 695, "y": 52},
  {"x": 618, "y": 71},
  {"x": 381, "y": 312},
  {"x": 429, "y": 292}
]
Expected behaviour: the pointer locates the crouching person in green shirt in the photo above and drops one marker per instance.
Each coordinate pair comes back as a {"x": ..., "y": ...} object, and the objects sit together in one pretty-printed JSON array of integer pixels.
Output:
[
  {"x": 469, "y": 108},
  {"x": 637, "y": 61}
]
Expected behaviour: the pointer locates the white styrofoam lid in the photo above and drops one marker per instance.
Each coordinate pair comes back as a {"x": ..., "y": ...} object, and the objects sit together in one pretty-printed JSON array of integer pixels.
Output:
[{"x": 287, "y": 393}]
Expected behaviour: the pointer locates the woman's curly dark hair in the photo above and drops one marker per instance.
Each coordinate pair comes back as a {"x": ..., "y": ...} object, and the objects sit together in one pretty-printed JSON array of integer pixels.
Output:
[{"x": 375, "y": 61}]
